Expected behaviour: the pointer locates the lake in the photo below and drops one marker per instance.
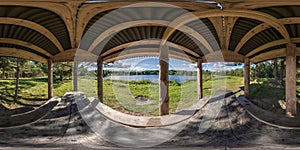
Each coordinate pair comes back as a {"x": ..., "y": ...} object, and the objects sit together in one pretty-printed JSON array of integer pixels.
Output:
[{"x": 152, "y": 78}]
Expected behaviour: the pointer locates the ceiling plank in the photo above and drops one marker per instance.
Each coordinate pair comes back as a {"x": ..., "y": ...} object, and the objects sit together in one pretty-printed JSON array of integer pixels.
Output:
[
  {"x": 267, "y": 45},
  {"x": 34, "y": 26},
  {"x": 149, "y": 42},
  {"x": 64, "y": 10},
  {"x": 120, "y": 27},
  {"x": 13, "y": 52},
  {"x": 25, "y": 44}
]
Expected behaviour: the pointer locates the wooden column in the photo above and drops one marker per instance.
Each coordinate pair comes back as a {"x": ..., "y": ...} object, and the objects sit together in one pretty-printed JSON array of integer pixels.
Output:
[
  {"x": 164, "y": 80},
  {"x": 50, "y": 79},
  {"x": 290, "y": 85},
  {"x": 100, "y": 78},
  {"x": 199, "y": 79},
  {"x": 247, "y": 78},
  {"x": 75, "y": 76}
]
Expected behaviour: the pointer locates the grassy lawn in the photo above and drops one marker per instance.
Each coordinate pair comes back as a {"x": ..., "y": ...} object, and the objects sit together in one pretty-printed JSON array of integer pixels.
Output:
[{"x": 119, "y": 95}]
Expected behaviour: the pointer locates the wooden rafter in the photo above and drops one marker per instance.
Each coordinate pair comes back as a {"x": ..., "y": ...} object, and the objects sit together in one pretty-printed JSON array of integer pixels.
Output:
[
  {"x": 149, "y": 42},
  {"x": 13, "y": 52},
  {"x": 122, "y": 26},
  {"x": 64, "y": 10},
  {"x": 25, "y": 44},
  {"x": 34, "y": 26}
]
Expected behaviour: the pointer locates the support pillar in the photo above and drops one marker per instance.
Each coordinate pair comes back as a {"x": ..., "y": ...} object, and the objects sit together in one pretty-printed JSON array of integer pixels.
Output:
[
  {"x": 247, "y": 78},
  {"x": 199, "y": 79},
  {"x": 290, "y": 84},
  {"x": 164, "y": 80},
  {"x": 100, "y": 78},
  {"x": 50, "y": 79},
  {"x": 75, "y": 76}
]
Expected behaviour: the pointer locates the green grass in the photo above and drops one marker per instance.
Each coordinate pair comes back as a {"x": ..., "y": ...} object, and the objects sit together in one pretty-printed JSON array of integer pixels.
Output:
[{"x": 119, "y": 95}]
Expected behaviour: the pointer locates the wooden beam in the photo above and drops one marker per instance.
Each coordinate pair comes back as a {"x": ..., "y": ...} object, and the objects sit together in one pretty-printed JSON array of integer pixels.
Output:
[
  {"x": 62, "y": 9},
  {"x": 50, "y": 79},
  {"x": 87, "y": 12},
  {"x": 272, "y": 54},
  {"x": 186, "y": 18},
  {"x": 290, "y": 85},
  {"x": 229, "y": 25},
  {"x": 223, "y": 55},
  {"x": 13, "y": 52},
  {"x": 34, "y": 26},
  {"x": 115, "y": 29},
  {"x": 75, "y": 76},
  {"x": 25, "y": 44},
  {"x": 264, "y": 26},
  {"x": 148, "y": 42},
  {"x": 247, "y": 78},
  {"x": 100, "y": 79},
  {"x": 218, "y": 25},
  {"x": 164, "y": 80},
  {"x": 75, "y": 55},
  {"x": 250, "y": 34},
  {"x": 142, "y": 52},
  {"x": 266, "y": 46},
  {"x": 199, "y": 79}
]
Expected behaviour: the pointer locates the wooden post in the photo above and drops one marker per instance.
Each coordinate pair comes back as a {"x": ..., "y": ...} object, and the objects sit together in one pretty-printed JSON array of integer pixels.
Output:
[
  {"x": 199, "y": 79},
  {"x": 100, "y": 78},
  {"x": 247, "y": 78},
  {"x": 164, "y": 80},
  {"x": 290, "y": 85},
  {"x": 75, "y": 76},
  {"x": 50, "y": 79}
]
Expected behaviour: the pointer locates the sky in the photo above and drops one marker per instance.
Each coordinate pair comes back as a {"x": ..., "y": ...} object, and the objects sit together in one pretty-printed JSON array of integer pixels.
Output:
[{"x": 152, "y": 63}]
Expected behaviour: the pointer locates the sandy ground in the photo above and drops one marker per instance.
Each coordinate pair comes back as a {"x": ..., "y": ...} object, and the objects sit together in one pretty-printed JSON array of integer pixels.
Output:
[{"x": 231, "y": 128}]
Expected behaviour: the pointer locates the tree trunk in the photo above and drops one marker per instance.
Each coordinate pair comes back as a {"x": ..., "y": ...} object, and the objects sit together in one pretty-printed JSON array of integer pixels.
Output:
[
  {"x": 276, "y": 72},
  {"x": 282, "y": 70},
  {"x": 61, "y": 75},
  {"x": 17, "y": 82}
]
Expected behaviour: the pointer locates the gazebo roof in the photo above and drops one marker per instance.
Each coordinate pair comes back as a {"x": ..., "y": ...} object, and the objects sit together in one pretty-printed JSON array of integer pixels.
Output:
[{"x": 53, "y": 29}]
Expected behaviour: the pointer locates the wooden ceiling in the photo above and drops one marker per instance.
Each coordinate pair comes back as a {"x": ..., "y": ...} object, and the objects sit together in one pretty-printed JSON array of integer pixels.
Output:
[{"x": 62, "y": 29}]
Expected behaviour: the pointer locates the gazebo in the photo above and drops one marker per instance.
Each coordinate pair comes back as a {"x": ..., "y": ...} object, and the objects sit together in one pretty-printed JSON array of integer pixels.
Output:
[{"x": 245, "y": 31}]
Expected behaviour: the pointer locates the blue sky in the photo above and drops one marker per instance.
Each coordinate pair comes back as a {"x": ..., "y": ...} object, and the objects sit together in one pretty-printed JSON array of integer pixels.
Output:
[{"x": 152, "y": 63}]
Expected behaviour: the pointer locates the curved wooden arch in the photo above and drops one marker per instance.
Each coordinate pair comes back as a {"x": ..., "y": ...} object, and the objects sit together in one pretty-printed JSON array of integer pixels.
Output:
[
  {"x": 272, "y": 54},
  {"x": 66, "y": 13},
  {"x": 34, "y": 26},
  {"x": 261, "y": 27},
  {"x": 265, "y": 46},
  {"x": 87, "y": 12},
  {"x": 186, "y": 18},
  {"x": 141, "y": 52},
  {"x": 13, "y": 52},
  {"x": 25, "y": 44},
  {"x": 120, "y": 27},
  {"x": 223, "y": 56},
  {"x": 151, "y": 42}
]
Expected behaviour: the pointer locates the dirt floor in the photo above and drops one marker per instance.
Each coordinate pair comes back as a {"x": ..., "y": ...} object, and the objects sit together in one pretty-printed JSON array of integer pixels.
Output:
[{"x": 232, "y": 128}]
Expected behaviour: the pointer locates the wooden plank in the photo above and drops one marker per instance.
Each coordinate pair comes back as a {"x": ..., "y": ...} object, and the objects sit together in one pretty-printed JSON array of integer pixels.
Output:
[
  {"x": 75, "y": 76},
  {"x": 25, "y": 44},
  {"x": 164, "y": 80},
  {"x": 34, "y": 26},
  {"x": 199, "y": 79},
  {"x": 62, "y": 9},
  {"x": 142, "y": 52},
  {"x": 247, "y": 78},
  {"x": 50, "y": 79},
  {"x": 290, "y": 85},
  {"x": 13, "y": 52},
  {"x": 119, "y": 27},
  {"x": 100, "y": 79},
  {"x": 148, "y": 42},
  {"x": 266, "y": 46},
  {"x": 266, "y": 18}
]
